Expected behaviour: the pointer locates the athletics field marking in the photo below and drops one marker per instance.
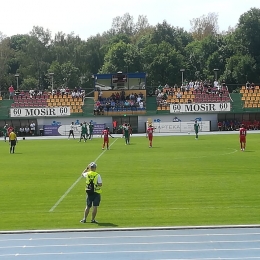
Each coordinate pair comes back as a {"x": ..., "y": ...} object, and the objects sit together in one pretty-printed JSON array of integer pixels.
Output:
[{"x": 74, "y": 184}]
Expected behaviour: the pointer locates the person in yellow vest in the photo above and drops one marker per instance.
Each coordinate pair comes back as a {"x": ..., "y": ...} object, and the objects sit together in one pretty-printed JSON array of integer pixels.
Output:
[
  {"x": 12, "y": 141},
  {"x": 93, "y": 190}
]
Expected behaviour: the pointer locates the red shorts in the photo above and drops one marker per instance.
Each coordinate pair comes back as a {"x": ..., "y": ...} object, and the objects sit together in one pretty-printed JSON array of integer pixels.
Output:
[
  {"x": 242, "y": 139},
  {"x": 105, "y": 140},
  {"x": 150, "y": 137}
]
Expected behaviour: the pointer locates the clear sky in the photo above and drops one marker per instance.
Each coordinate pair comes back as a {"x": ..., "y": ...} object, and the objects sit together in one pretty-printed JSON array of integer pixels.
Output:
[{"x": 89, "y": 17}]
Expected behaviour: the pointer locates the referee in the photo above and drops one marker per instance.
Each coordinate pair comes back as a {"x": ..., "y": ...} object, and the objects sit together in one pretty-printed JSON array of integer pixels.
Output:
[{"x": 12, "y": 141}]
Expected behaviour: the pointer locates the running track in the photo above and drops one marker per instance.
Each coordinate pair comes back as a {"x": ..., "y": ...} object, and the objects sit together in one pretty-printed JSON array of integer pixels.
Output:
[{"x": 172, "y": 243}]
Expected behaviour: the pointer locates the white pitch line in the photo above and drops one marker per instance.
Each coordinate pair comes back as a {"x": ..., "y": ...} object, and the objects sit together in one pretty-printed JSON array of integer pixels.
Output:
[{"x": 74, "y": 184}]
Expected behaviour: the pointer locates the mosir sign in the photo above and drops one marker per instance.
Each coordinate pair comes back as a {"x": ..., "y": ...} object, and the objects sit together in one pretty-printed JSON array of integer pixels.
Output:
[
  {"x": 41, "y": 111},
  {"x": 199, "y": 107}
]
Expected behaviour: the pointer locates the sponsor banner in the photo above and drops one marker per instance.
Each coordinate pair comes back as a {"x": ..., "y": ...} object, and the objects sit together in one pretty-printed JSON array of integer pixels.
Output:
[
  {"x": 180, "y": 127},
  {"x": 39, "y": 111},
  {"x": 200, "y": 107},
  {"x": 56, "y": 130}
]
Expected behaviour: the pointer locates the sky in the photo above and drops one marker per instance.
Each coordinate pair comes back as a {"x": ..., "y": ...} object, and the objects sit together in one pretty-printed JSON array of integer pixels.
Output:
[{"x": 88, "y": 17}]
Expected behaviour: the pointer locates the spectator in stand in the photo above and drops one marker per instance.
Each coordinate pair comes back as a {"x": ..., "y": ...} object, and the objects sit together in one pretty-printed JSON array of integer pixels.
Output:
[
  {"x": 132, "y": 96},
  {"x": 141, "y": 104},
  {"x": 39, "y": 93},
  {"x": 113, "y": 97},
  {"x": 73, "y": 94},
  {"x": 113, "y": 104},
  {"x": 108, "y": 105},
  {"x": 138, "y": 98},
  {"x": 191, "y": 85},
  {"x": 252, "y": 86},
  {"x": 117, "y": 96},
  {"x": 67, "y": 91},
  {"x": 122, "y": 95},
  {"x": 126, "y": 104},
  {"x": 62, "y": 91},
  {"x": 179, "y": 95},
  {"x": 32, "y": 93},
  {"x": 215, "y": 84},
  {"x": 78, "y": 95},
  {"x": 11, "y": 92},
  {"x": 183, "y": 88},
  {"x": 132, "y": 105},
  {"x": 247, "y": 85},
  {"x": 171, "y": 92},
  {"x": 100, "y": 93}
]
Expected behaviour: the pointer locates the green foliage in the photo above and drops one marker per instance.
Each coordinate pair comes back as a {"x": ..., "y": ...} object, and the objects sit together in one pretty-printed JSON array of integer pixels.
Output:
[
  {"x": 126, "y": 46},
  {"x": 180, "y": 180}
]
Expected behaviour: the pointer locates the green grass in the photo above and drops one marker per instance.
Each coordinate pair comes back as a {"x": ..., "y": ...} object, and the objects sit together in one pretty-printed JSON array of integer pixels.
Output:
[{"x": 180, "y": 181}]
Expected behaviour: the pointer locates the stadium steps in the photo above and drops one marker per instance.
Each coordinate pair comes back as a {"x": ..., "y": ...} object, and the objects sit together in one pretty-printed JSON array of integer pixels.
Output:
[
  {"x": 237, "y": 104},
  {"x": 5, "y": 105},
  {"x": 151, "y": 105},
  {"x": 88, "y": 106}
]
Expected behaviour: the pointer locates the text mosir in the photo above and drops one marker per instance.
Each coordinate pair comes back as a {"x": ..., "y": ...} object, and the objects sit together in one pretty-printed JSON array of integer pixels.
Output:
[
  {"x": 42, "y": 111},
  {"x": 199, "y": 107}
]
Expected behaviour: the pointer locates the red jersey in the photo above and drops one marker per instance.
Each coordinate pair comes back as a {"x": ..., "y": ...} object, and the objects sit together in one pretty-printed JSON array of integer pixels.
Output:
[
  {"x": 150, "y": 130},
  {"x": 105, "y": 133},
  {"x": 242, "y": 131},
  {"x": 10, "y": 129}
]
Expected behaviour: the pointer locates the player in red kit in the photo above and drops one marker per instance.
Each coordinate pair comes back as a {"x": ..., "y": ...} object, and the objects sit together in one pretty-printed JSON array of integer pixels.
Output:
[
  {"x": 242, "y": 136},
  {"x": 106, "y": 134},
  {"x": 9, "y": 130},
  {"x": 149, "y": 133}
]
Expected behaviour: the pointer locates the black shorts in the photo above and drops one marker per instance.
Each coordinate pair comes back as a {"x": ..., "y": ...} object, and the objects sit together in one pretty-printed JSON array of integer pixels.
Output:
[
  {"x": 13, "y": 142},
  {"x": 93, "y": 200}
]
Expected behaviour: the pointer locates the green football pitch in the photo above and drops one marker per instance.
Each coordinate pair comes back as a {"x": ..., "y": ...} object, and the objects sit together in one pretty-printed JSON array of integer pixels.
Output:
[{"x": 178, "y": 182}]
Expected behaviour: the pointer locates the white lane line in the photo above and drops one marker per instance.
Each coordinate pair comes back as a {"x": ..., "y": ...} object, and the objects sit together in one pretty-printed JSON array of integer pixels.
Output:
[
  {"x": 200, "y": 235},
  {"x": 134, "y": 243},
  {"x": 146, "y": 251},
  {"x": 74, "y": 184}
]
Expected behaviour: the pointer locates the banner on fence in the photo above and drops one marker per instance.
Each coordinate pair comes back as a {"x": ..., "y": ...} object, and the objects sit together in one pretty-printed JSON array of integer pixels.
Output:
[
  {"x": 200, "y": 107},
  {"x": 180, "y": 127},
  {"x": 59, "y": 130},
  {"x": 39, "y": 111}
]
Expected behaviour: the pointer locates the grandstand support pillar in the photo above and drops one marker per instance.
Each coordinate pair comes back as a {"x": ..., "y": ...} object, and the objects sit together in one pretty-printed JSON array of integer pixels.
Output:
[
  {"x": 17, "y": 80},
  {"x": 182, "y": 74}
]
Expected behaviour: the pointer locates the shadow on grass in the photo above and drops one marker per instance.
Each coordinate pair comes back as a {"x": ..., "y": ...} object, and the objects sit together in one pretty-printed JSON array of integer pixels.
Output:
[{"x": 107, "y": 225}]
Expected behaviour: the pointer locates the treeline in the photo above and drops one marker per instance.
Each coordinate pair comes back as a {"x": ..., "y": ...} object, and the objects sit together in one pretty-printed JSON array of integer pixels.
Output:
[{"x": 160, "y": 51}]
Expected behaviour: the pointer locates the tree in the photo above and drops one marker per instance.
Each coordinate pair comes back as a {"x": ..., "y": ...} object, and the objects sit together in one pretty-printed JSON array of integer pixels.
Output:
[
  {"x": 248, "y": 32},
  {"x": 6, "y": 54},
  {"x": 120, "y": 57},
  {"x": 162, "y": 63},
  {"x": 204, "y": 26},
  {"x": 240, "y": 68},
  {"x": 123, "y": 24}
]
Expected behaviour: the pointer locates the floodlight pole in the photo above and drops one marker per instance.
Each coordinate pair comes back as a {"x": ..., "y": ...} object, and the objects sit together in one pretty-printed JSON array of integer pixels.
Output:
[
  {"x": 182, "y": 73},
  {"x": 216, "y": 74},
  {"x": 51, "y": 74},
  {"x": 17, "y": 80}
]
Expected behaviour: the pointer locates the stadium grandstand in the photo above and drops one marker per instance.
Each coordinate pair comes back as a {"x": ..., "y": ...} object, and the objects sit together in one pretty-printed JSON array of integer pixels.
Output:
[{"x": 125, "y": 97}]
